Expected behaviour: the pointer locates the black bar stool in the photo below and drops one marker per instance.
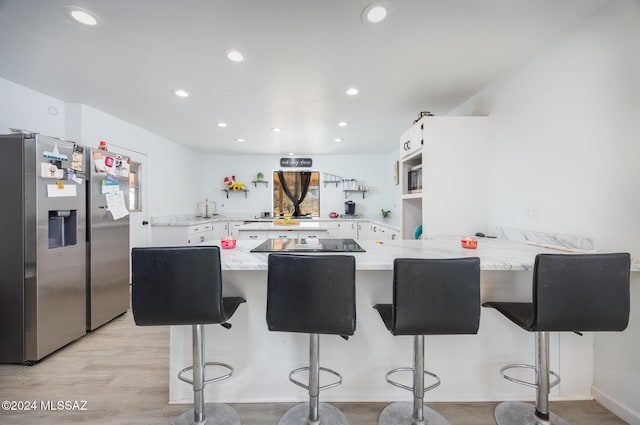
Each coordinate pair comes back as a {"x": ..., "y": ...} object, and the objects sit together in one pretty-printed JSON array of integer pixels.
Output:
[
  {"x": 183, "y": 286},
  {"x": 571, "y": 293},
  {"x": 430, "y": 297},
  {"x": 312, "y": 294}
]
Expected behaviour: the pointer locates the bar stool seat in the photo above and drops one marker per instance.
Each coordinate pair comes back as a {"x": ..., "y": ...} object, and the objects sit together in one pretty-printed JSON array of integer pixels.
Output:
[
  {"x": 430, "y": 297},
  {"x": 571, "y": 293},
  {"x": 312, "y": 294},
  {"x": 183, "y": 286}
]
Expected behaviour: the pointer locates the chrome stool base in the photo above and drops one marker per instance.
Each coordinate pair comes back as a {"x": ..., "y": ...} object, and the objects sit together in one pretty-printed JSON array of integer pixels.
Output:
[
  {"x": 327, "y": 415},
  {"x": 215, "y": 414},
  {"x": 402, "y": 414},
  {"x": 519, "y": 413}
]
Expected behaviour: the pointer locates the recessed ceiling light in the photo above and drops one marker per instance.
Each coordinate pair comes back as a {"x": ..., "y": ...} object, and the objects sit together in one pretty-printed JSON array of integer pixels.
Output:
[
  {"x": 235, "y": 55},
  {"x": 352, "y": 91},
  {"x": 276, "y": 129},
  {"x": 375, "y": 12},
  {"x": 240, "y": 140},
  {"x": 81, "y": 15},
  {"x": 338, "y": 139},
  {"x": 343, "y": 124},
  {"x": 222, "y": 124},
  {"x": 181, "y": 93},
  {"x": 291, "y": 154}
]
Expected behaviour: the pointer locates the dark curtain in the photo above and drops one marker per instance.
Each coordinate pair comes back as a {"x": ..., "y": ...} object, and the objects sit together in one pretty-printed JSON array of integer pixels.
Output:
[{"x": 305, "y": 179}]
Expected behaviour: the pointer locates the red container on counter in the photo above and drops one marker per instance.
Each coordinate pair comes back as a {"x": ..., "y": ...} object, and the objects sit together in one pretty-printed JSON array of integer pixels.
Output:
[
  {"x": 469, "y": 243},
  {"x": 228, "y": 243}
]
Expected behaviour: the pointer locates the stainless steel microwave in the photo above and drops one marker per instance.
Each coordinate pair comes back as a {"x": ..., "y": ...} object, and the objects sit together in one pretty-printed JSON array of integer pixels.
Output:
[{"x": 414, "y": 179}]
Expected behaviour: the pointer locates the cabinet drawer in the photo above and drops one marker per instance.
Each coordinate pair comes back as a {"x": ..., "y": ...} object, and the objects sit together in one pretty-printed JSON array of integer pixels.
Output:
[
  {"x": 200, "y": 228},
  {"x": 243, "y": 235},
  {"x": 283, "y": 234},
  {"x": 200, "y": 237},
  {"x": 314, "y": 234}
]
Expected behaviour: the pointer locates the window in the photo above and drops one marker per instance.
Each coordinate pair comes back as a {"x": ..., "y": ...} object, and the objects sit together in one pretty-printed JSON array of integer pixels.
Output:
[
  {"x": 283, "y": 205},
  {"x": 134, "y": 187}
]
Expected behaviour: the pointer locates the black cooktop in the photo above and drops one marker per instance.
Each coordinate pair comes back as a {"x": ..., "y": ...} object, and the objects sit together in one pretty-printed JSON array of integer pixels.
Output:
[{"x": 308, "y": 245}]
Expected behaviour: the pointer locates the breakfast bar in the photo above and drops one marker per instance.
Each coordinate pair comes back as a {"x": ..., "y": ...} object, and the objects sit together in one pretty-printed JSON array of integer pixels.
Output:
[{"x": 467, "y": 364}]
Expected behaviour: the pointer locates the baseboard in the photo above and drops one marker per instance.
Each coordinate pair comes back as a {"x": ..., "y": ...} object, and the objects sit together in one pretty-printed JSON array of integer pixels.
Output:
[{"x": 616, "y": 407}]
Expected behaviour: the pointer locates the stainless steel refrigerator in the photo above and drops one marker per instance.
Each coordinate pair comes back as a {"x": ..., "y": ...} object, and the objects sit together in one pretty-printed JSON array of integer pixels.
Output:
[
  {"x": 107, "y": 237},
  {"x": 42, "y": 247}
]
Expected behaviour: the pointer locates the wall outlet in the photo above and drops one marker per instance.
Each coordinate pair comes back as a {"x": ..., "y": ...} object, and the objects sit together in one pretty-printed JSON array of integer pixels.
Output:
[{"x": 532, "y": 214}]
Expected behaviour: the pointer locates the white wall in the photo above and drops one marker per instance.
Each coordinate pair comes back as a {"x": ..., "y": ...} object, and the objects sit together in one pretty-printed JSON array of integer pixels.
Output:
[
  {"x": 29, "y": 110},
  {"x": 172, "y": 182},
  {"x": 566, "y": 143},
  {"x": 376, "y": 171}
]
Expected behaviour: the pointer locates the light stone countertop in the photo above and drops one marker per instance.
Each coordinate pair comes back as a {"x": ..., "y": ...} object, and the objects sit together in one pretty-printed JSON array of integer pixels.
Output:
[
  {"x": 191, "y": 220},
  {"x": 495, "y": 254},
  {"x": 302, "y": 225}
]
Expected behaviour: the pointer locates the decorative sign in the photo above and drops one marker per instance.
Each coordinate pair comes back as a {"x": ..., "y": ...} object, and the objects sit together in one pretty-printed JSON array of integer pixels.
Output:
[{"x": 295, "y": 162}]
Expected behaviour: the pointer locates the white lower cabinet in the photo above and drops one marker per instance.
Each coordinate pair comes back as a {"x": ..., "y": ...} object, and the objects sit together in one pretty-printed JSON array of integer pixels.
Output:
[
  {"x": 233, "y": 228},
  {"x": 348, "y": 229},
  {"x": 188, "y": 235},
  {"x": 282, "y": 234},
  {"x": 365, "y": 230}
]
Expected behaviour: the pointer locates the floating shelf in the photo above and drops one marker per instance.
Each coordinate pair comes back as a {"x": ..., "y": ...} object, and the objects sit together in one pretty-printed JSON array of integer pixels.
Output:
[
  {"x": 337, "y": 182},
  {"x": 348, "y": 192},
  {"x": 255, "y": 182},
  {"x": 236, "y": 191}
]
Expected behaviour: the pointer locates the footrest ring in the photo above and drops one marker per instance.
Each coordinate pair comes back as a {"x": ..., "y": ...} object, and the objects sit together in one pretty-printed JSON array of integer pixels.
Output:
[
  {"x": 406, "y": 387},
  {"x": 322, "y": 369},
  {"x": 206, "y": 381},
  {"x": 526, "y": 383}
]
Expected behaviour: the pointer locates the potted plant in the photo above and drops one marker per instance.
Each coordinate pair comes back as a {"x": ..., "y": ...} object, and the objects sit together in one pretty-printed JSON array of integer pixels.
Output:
[{"x": 386, "y": 213}]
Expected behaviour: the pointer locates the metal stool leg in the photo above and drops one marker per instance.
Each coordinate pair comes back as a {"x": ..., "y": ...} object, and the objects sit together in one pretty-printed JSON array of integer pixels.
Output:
[
  {"x": 213, "y": 413},
  {"x": 519, "y": 413},
  {"x": 416, "y": 414},
  {"x": 314, "y": 412}
]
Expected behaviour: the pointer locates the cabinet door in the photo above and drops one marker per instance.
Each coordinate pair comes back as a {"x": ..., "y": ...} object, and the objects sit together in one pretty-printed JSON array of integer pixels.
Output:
[
  {"x": 411, "y": 141},
  {"x": 404, "y": 144},
  {"x": 348, "y": 229},
  {"x": 251, "y": 235},
  {"x": 365, "y": 231},
  {"x": 220, "y": 230},
  {"x": 415, "y": 139},
  {"x": 233, "y": 228}
]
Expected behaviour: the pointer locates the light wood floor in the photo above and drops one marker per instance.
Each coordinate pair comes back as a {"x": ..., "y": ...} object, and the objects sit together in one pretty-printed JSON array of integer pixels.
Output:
[{"x": 121, "y": 370}]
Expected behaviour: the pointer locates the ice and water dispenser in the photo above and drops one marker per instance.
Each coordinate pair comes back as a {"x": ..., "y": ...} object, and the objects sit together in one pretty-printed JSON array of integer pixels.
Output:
[{"x": 63, "y": 226}]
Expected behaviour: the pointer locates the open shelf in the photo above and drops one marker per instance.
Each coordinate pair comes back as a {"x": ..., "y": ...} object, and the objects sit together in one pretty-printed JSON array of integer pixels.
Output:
[
  {"x": 348, "y": 192},
  {"x": 417, "y": 195},
  {"x": 337, "y": 182},
  {"x": 235, "y": 191},
  {"x": 255, "y": 182}
]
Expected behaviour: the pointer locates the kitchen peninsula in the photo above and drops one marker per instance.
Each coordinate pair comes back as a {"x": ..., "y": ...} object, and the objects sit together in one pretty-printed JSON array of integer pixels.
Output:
[{"x": 467, "y": 364}]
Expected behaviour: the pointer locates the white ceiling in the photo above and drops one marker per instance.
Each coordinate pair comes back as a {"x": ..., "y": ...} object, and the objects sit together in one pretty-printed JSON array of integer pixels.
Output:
[{"x": 301, "y": 56}]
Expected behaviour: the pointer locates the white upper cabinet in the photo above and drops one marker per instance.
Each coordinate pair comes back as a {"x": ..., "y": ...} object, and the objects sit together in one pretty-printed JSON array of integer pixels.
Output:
[
  {"x": 412, "y": 140},
  {"x": 451, "y": 167}
]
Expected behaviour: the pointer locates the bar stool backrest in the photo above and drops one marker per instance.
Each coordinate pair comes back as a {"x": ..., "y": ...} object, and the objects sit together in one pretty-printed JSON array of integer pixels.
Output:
[
  {"x": 313, "y": 294},
  {"x": 436, "y": 296},
  {"x": 177, "y": 286},
  {"x": 582, "y": 292}
]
